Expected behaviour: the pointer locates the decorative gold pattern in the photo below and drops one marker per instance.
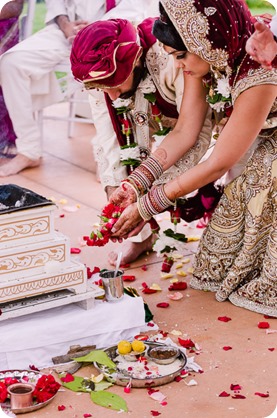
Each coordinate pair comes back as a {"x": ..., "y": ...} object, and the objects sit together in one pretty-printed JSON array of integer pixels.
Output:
[
  {"x": 24, "y": 229},
  {"x": 193, "y": 27},
  {"x": 32, "y": 259},
  {"x": 37, "y": 287},
  {"x": 237, "y": 256},
  {"x": 253, "y": 78}
]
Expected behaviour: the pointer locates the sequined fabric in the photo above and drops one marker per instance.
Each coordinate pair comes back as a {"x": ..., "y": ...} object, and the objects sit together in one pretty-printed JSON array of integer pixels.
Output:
[{"x": 237, "y": 256}]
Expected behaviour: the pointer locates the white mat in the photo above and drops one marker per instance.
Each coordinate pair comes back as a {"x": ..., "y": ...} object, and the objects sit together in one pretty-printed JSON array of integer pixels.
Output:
[{"x": 34, "y": 339}]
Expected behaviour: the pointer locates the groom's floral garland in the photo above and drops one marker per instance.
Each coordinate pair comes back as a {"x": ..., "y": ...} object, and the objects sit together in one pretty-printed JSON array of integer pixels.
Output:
[{"x": 130, "y": 153}]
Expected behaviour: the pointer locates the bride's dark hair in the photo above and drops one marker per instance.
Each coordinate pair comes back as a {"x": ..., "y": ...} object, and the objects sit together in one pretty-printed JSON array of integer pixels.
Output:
[{"x": 165, "y": 32}]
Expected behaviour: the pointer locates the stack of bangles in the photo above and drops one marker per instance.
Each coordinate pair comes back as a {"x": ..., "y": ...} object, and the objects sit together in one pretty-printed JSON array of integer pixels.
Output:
[
  {"x": 143, "y": 176},
  {"x": 153, "y": 203}
]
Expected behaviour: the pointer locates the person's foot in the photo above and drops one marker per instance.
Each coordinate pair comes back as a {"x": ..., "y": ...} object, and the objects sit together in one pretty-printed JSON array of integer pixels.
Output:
[
  {"x": 132, "y": 250},
  {"x": 17, "y": 164}
]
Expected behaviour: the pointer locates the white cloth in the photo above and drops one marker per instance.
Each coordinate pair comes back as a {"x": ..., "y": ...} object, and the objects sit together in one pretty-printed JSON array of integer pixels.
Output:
[
  {"x": 36, "y": 338},
  {"x": 273, "y": 25},
  {"x": 26, "y": 70}
]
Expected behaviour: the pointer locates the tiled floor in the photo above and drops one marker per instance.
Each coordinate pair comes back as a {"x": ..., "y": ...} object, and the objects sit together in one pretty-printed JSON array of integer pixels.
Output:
[{"x": 68, "y": 172}]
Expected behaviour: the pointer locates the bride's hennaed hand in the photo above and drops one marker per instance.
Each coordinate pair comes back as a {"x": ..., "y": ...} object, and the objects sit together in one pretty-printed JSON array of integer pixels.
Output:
[
  {"x": 123, "y": 196},
  {"x": 127, "y": 222}
]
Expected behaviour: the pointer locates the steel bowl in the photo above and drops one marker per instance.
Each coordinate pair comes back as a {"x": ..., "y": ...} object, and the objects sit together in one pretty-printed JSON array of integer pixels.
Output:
[{"x": 163, "y": 355}]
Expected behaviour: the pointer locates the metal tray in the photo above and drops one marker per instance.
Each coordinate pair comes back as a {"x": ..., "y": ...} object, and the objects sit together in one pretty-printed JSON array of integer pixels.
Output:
[
  {"x": 18, "y": 374},
  {"x": 123, "y": 378}
]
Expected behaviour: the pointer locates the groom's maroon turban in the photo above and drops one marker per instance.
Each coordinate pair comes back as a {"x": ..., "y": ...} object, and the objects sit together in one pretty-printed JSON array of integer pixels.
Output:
[{"x": 105, "y": 53}]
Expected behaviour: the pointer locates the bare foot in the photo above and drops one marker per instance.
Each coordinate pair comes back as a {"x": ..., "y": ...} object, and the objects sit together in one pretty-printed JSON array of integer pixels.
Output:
[
  {"x": 132, "y": 250},
  {"x": 17, "y": 164}
]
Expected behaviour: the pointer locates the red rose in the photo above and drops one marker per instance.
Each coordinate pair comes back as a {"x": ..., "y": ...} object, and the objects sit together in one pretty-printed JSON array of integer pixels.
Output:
[
  {"x": 167, "y": 264},
  {"x": 3, "y": 392}
]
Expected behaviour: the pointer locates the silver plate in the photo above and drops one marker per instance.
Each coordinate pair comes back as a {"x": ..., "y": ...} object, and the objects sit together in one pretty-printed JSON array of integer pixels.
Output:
[
  {"x": 33, "y": 378},
  {"x": 122, "y": 379}
]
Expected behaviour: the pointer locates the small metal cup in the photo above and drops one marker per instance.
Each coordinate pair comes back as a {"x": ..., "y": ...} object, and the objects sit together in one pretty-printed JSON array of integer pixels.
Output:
[
  {"x": 113, "y": 286},
  {"x": 21, "y": 395}
]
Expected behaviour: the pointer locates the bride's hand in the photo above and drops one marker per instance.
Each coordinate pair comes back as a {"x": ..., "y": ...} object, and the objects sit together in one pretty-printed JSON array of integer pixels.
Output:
[
  {"x": 129, "y": 223},
  {"x": 123, "y": 196}
]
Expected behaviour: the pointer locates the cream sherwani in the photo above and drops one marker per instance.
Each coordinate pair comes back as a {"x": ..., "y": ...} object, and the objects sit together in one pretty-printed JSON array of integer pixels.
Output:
[{"x": 26, "y": 70}]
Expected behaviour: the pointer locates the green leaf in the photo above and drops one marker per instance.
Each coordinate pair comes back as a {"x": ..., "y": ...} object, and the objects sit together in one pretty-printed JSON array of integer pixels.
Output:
[
  {"x": 102, "y": 385},
  {"x": 75, "y": 385},
  {"x": 98, "y": 356},
  {"x": 109, "y": 400},
  {"x": 175, "y": 235},
  {"x": 151, "y": 97}
]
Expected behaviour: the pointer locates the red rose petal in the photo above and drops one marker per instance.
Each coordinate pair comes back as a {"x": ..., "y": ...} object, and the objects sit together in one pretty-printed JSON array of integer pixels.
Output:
[
  {"x": 155, "y": 413},
  {"x": 162, "y": 305},
  {"x": 62, "y": 215},
  {"x": 67, "y": 378},
  {"x": 269, "y": 317},
  {"x": 87, "y": 415},
  {"x": 227, "y": 348},
  {"x": 128, "y": 278},
  {"x": 238, "y": 397},
  {"x": 75, "y": 250},
  {"x": 224, "y": 394},
  {"x": 186, "y": 343},
  {"x": 262, "y": 395},
  {"x": 178, "y": 286},
  {"x": 263, "y": 325},
  {"x": 224, "y": 318},
  {"x": 178, "y": 379},
  {"x": 61, "y": 408},
  {"x": 148, "y": 291},
  {"x": 124, "y": 266},
  {"x": 141, "y": 337},
  {"x": 271, "y": 349},
  {"x": 235, "y": 387},
  {"x": 144, "y": 268}
]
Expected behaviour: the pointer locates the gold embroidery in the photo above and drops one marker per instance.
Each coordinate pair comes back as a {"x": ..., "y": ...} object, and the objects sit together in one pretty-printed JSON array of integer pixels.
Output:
[{"x": 193, "y": 27}]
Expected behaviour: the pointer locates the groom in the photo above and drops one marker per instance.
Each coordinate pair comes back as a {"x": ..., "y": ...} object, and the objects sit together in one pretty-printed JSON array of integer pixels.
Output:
[{"x": 142, "y": 97}]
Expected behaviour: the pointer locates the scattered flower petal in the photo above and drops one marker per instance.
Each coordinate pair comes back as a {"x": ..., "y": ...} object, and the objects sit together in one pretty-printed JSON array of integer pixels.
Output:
[
  {"x": 155, "y": 286},
  {"x": 70, "y": 209},
  {"x": 155, "y": 413},
  {"x": 179, "y": 265},
  {"x": 61, "y": 408},
  {"x": 178, "y": 379},
  {"x": 67, "y": 378},
  {"x": 224, "y": 394},
  {"x": 227, "y": 348},
  {"x": 262, "y": 395},
  {"x": 271, "y": 349},
  {"x": 87, "y": 415},
  {"x": 178, "y": 286},
  {"x": 186, "y": 343},
  {"x": 144, "y": 268},
  {"x": 192, "y": 239},
  {"x": 162, "y": 305},
  {"x": 237, "y": 396},
  {"x": 224, "y": 318},
  {"x": 63, "y": 201},
  {"x": 192, "y": 382},
  {"x": 181, "y": 273},
  {"x": 176, "y": 332},
  {"x": 186, "y": 260},
  {"x": 263, "y": 325},
  {"x": 128, "y": 278},
  {"x": 75, "y": 250},
  {"x": 157, "y": 396},
  {"x": 176, "y": 296},
  {"x": 166, "y": 276},
  {"x": 235, "y": 387}
]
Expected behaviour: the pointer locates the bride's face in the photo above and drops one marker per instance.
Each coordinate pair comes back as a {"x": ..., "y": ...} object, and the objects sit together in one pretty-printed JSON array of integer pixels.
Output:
[{"x": 191, "y": 64}]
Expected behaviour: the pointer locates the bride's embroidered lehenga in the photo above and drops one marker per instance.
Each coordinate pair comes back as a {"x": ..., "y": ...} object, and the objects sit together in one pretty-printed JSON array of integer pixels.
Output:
[{"x": 237, "y": 254}]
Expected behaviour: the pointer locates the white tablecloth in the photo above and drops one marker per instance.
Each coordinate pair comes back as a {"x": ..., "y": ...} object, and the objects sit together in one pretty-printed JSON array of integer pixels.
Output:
[{"x": 34, "y": 339}]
